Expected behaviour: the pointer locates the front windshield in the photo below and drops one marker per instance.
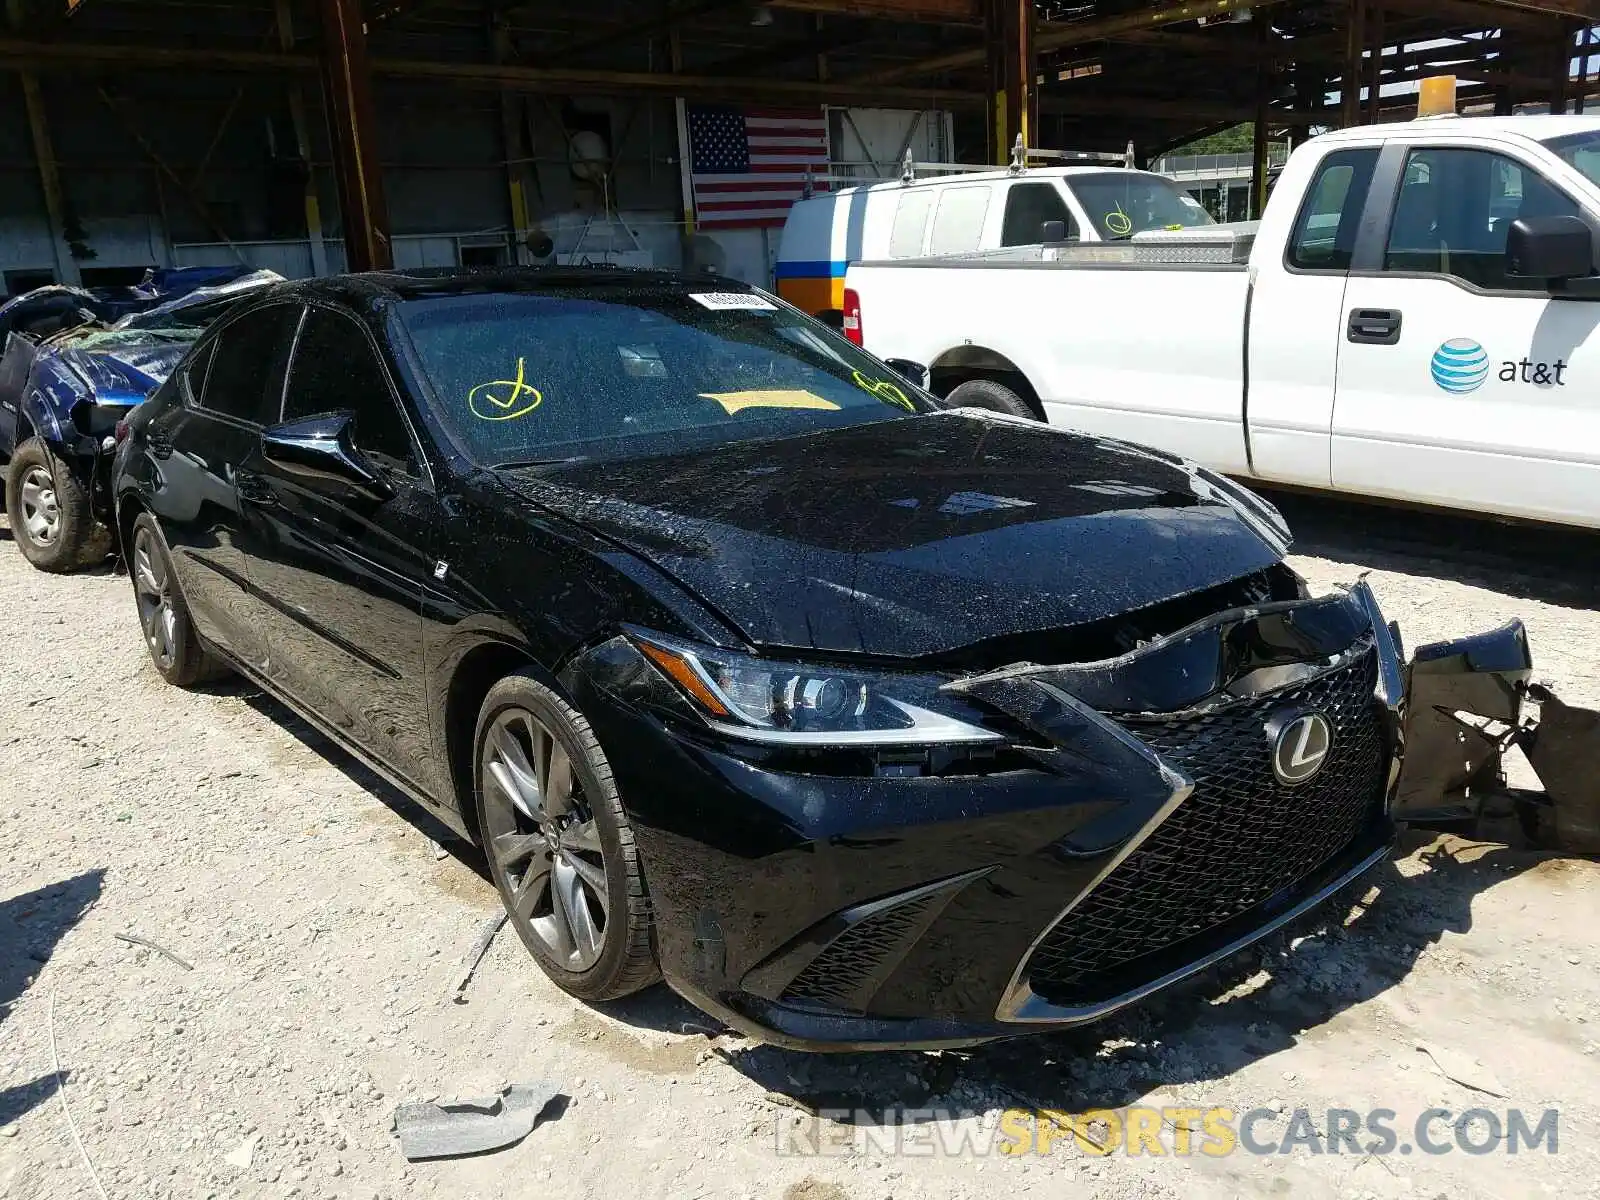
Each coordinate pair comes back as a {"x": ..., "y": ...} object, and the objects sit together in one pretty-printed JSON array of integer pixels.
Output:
[
  {"x": 1580, "y": 150},
  {"x": 1123, "y": 203},
  {"x": 622, "y": 369}
]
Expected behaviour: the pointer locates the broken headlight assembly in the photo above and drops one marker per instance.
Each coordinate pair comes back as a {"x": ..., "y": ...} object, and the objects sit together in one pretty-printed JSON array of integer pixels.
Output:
[{"x": 780, "y": 703}]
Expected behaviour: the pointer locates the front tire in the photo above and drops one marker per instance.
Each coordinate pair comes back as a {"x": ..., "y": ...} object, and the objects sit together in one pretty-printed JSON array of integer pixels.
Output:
[
  {"x": 51, "y": 517},
  {"x": 169, "y": 634},
  {"x": 559, "y": 845}
]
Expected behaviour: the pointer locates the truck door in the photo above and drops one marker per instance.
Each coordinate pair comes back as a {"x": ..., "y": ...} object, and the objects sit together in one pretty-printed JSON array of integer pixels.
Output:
[
  {"x": 1459, "y": 385},
  {"x": 1296, "y": 323}
]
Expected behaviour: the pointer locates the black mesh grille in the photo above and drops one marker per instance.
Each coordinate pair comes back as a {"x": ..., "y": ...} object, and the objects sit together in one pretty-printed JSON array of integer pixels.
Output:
[
  {"x": 849, "y": 962},
  {"x": 1240, "y": 838}
]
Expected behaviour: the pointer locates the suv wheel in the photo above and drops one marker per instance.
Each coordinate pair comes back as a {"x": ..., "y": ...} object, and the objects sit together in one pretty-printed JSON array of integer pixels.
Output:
[{"x": 50, "y": 515}]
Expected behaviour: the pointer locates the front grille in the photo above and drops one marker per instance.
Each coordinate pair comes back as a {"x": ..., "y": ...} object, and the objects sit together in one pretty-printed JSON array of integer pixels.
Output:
[
  {"x": 1239, "y": 839},
  {"x": 849, "y": 962}
]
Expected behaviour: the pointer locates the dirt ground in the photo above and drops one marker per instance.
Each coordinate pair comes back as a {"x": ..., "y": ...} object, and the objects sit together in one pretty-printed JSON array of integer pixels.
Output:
[{"x": 325, "y": 931}]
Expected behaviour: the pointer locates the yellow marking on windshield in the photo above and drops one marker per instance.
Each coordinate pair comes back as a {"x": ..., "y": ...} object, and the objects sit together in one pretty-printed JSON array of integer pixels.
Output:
[
  {"x": 733, "y": 402},
  {"x": 1118, "y": 223},
  {"x": 521, "y": 397},
  {"x": 884, "y": 390}
]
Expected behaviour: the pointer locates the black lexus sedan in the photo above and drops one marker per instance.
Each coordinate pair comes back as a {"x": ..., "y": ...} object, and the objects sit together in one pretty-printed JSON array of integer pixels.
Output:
[{"x": 862, "y": 722}]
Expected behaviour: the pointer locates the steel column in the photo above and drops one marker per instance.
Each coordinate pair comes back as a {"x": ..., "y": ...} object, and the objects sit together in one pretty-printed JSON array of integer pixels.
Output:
[{"x": 347, "y": 98}]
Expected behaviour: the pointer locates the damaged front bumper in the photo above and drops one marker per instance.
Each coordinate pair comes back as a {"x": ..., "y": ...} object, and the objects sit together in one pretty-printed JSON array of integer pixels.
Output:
[
  {"x": 1467, "y": 703},
  {"x": 1133, "y": 831}
]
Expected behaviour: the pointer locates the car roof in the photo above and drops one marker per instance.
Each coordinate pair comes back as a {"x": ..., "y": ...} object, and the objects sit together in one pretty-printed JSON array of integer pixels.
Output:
[{"x": 359, "y": 290}]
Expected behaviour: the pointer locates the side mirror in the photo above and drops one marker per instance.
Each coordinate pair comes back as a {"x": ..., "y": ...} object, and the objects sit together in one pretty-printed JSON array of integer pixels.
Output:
[
  {"x": 323, "y": 448},
  {"x": 1051, "y": 232},
  {"x": 1550, "y": 248},
  {"x": 912, "y": 372}
]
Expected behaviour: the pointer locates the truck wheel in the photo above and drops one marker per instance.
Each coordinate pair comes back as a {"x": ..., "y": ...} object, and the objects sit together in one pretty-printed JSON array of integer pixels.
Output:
[
  {"x": 49, "y": 510},
  {"x": 996, "y": 397}
]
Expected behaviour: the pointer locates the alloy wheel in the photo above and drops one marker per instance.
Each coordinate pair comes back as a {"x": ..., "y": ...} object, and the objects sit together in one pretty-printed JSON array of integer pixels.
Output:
[
  {"x": 153, "y": 588},
  {"x": 542, "y": 840},
  {"x": 41, "y": 512}
]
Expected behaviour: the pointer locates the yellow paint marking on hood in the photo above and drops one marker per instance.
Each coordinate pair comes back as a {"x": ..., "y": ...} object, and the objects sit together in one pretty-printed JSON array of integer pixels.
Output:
[{"x": 733, "y": 402}]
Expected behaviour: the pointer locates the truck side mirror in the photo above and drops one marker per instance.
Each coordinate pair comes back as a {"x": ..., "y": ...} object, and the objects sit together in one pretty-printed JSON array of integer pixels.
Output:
[
  {"x": 909, "y": 370},
  {"x": 1550, "y": 248},
  {"x": 1051, "y": 232}
]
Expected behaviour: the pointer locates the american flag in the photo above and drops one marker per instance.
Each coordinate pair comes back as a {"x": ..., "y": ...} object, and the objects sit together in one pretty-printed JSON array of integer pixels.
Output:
[{"x": 748, "y": 164}]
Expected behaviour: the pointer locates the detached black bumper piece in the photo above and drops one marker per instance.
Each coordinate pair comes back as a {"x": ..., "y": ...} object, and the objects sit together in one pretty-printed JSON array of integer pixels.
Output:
[{"x": 1148, "y": 817}]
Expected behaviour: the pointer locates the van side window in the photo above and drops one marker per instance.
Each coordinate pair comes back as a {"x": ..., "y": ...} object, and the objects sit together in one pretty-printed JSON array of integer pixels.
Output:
[
  {"x": 1028, "y": 207},
  {"x": 910, "y": 223},
  {"x": 1325, "y": 231},
  {"x": 958, "y": 221},
  {"x": 1454, "y": 209}
]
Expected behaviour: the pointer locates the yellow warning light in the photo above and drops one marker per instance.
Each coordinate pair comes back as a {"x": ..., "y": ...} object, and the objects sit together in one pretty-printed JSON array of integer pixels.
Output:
[{"x": 1437, "y": 97}]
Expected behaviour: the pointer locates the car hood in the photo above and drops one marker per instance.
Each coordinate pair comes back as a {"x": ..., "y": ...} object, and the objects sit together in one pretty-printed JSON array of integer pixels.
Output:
[
  {"x": 911, "y": 537},
  {"x": 116, "y": 374}
]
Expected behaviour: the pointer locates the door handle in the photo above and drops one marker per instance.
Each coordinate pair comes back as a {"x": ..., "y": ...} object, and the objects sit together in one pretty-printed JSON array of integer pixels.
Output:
[
  {"x": 1374, "y": 326},
  {"x": 252, "y": 487}
]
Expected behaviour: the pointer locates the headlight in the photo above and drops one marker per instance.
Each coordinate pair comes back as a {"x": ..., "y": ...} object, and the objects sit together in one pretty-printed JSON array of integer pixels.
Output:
[{"x": 790, "y": 704}]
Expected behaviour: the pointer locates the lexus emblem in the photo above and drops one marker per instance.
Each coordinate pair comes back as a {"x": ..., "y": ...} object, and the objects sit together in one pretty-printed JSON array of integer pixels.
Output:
[{"x": 1300, "y": 746}]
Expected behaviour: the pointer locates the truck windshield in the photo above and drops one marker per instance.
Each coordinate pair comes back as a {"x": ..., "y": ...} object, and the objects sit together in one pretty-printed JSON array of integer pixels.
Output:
[
  {"x": 617, "y": 370},
  {"x": 1123, "y": 203},
  {"x": 1580, "y": 150}
]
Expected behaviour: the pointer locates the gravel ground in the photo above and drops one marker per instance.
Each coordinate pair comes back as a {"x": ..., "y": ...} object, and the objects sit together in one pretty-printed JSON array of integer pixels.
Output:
[{"x": 325, "y": 931}]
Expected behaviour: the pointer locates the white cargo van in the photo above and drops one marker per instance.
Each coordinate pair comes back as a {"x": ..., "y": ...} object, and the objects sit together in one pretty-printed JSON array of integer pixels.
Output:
[
  {"x": 1414, "y": 319},
  {"x": 913, "y": 217}
]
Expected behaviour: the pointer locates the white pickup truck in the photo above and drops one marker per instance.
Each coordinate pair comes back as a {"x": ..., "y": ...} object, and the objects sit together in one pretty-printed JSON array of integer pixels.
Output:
[{"x": 1414, "y": 318}]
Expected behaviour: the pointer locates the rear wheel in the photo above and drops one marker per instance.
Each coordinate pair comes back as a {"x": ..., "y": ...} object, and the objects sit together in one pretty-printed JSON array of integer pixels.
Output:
[
  {"x": 559, "y": 844},
  {"x": 992, "y": 395},
  {"x": 169, "y": 634},
  {"x": 51, "y": 518}
]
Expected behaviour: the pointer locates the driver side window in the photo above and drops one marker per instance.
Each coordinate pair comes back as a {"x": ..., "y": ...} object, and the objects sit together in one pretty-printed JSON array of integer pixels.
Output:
[
  {"x": 335, "y": 369},
  {"x": 1454, "y": 209}
]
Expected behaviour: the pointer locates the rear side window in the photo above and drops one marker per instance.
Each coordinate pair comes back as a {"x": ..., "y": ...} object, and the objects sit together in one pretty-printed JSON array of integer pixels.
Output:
[
  {"x": 958, "y": 223},
  {"x": 1324, "y": 236},
  {"x": 910, "y": 223},
  {"x": 335, "y": 370},
  {"x": 1028, "y": 207},
  {"x": 247, "y": 363}
]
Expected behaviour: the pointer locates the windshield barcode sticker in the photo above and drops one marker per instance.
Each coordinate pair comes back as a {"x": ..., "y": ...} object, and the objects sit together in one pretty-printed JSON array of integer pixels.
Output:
[{"x": 733, "y": 302}]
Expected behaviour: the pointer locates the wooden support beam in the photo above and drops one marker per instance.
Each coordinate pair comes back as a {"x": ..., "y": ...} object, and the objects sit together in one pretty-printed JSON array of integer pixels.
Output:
[
  {"x": 77, "y": 57},
  {"x": 302, "y": 143},
  {"x": 1059, "y": 35},
  {"x": 1263, "y": 113},
  {"x": 936, "y": 12},
  {"x": 1375, "y": 43},
  {"x": 44, "y": 157},
  {"x": 347, "y": 101},
  {"x": 1355, "y": 40}
]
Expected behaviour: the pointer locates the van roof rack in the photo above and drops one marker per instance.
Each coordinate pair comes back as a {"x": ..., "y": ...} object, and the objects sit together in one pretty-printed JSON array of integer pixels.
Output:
[{"x": 1021, "y": 155}]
